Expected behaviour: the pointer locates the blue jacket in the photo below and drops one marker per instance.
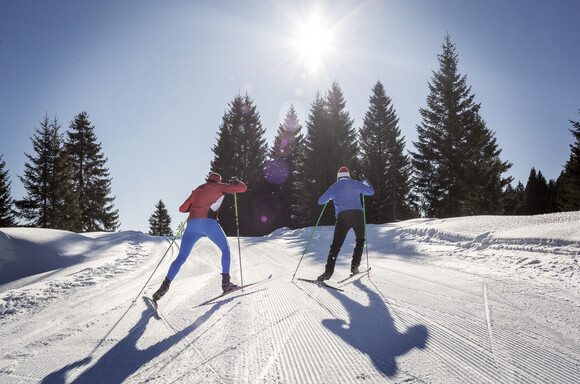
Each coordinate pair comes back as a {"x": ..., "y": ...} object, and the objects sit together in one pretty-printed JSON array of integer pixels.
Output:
[{"x": 345, "y": 194}]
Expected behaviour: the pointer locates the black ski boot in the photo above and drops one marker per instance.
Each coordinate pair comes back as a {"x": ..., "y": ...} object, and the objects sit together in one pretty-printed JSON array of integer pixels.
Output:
[
  {"x": 354, "y": 269},
  {"x": 328, "y": 271},
  {"x": 329, "y": 267},
  {"x": 227, "y": 285},
  {"x": 324, "y": 276},
  {"x": 162, "y": 290}
]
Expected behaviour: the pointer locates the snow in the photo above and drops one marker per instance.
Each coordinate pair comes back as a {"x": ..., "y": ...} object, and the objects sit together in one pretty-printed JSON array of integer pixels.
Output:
[{"x": 486, "y": 299}]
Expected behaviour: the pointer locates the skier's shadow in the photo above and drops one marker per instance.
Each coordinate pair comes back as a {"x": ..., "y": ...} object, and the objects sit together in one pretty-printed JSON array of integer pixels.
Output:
[
  {"x": 372, "y": 331},
  {"x": 124, "y": 359}
]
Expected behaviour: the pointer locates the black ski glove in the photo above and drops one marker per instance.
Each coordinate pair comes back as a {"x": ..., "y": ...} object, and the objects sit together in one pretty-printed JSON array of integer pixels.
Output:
[{"x": 234, "y": 180}]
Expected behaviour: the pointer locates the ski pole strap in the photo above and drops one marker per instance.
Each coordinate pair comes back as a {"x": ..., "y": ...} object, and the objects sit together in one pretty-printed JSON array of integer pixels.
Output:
[{"x": 312, "y": 234}]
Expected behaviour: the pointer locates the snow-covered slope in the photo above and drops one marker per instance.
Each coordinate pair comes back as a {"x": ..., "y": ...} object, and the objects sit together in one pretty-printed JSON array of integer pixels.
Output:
[{"x": 481, "y": 299}]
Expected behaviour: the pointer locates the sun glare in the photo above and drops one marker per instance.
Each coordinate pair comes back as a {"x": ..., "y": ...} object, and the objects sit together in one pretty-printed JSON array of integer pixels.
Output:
[{"x": 313, "y": 41}]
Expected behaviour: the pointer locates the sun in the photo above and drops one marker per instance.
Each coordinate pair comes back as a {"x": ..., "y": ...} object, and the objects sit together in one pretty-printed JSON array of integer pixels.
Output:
[{"x": 314, "y": 43}]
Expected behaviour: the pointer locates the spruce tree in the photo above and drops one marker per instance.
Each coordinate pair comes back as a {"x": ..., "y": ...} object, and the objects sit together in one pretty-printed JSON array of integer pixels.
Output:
[
  {"x": 513, "y": 199},
  {"x": 280, "y": 171},
  {"x": 51, "y": 200},
  {"x": 330, "y": 143},
  {"x": 91, "y": 179},
  {"x": 569, "y": 186},
  {"x": 485, "y": 186},
  {"x": 241, "y": 151},
  {"x": 383, "y": 160},
  {"x": 536, "y": 194},
  {"x": 310, "y": 172},
  {"x": 456, "y": 163},
  {"x": 160, "y": 221},
  {"x": 7, "y": 217}
]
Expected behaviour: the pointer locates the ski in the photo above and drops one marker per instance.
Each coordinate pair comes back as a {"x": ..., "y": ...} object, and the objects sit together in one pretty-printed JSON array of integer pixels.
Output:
[
  {"x": 235, "y": 290},
  {"x": 152, "y": 304},
  {"x": 354, "y": 275},
  {"x": 321, "y": 284}
]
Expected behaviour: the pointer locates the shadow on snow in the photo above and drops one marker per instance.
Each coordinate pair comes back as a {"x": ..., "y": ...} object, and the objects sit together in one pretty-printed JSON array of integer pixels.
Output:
[
  {"x": 124, "y": 358},
  {"x": 371, "y": 329}
]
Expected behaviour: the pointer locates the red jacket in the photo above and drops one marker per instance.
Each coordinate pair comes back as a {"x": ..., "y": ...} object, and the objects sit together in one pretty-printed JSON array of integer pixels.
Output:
[{"x": 205, "y": 201}]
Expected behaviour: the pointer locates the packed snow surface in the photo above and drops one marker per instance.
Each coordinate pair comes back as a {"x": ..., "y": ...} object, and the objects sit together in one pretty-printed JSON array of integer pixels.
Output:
[{"x": 486, "y": 299}]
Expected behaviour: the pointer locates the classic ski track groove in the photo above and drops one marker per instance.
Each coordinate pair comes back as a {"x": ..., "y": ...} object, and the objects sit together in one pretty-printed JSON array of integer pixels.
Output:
[
  {"x": 189, "y": 343},
  {"x": 442, "y": 337}
]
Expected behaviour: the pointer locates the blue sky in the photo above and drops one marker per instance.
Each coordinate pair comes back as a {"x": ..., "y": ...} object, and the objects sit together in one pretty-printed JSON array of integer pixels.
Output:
[{"x": 156, "y": 77}]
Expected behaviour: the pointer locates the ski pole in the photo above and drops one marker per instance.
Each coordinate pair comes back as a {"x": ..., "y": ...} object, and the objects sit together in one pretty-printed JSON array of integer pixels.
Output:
[
  {"x": 134, "y": 300},
  {"x": 366, "y": 237},
  {"x": 319, "y": 217},
  {"x": 238, "y": 230},
  {"x": 158, "y": 264}
]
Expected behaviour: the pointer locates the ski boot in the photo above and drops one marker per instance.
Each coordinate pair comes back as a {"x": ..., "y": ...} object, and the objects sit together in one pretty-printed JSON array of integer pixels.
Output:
[
  {"x": 326, "y": 275},
  {"x": 162, "y": 290},
  {"x": 354, "y": 269},
  {"x": 227, "y": 285}
]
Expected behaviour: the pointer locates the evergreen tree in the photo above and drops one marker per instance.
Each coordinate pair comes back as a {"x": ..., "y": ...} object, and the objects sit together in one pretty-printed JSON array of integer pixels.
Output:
[
  {"x": 160, "y": 221},
  {"x": 513, "y": 199},
  {"x": 383, "y": 160},
  {"x": 50, "y": 201},
  {"x": 241, "y": 151},
  {"x": 280, "y": 171},
  {"x": 330, "y": 143},
  {"x": 309, "y": 171},
  {"x": 7, "y": 218},
  {"x": 536, "y": 194},
  {"x": 553, "y": 187},
  {"x": 569, "y": 186},
  {"x": 456, "y": 163},
  {"x": 485, "y": 186},
  {"x": 91, "y": 179}
]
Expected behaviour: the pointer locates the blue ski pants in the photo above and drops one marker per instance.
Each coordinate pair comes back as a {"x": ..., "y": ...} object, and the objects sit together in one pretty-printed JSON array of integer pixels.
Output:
[{"x": 195, "y": 230}]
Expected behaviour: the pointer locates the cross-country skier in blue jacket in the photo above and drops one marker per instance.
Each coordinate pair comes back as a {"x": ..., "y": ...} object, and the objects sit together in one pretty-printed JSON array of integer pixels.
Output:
[{"x": 345, "y": 194}]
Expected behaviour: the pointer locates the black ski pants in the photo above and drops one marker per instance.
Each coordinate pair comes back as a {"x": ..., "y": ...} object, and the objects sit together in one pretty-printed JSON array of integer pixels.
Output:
[{"x": 352, "y": 218}]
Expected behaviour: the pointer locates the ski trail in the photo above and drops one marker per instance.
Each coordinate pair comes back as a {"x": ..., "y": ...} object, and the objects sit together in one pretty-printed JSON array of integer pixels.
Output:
[
  {"x": 488, "y": 319},
  {"x": 191, "y": 344}
]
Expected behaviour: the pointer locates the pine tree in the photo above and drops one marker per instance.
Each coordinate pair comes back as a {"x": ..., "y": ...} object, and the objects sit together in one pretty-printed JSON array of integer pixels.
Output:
[
  {"x": 513, "y": 199},
  {"x": 309, "y": 171},
  {"x": 569, "y": 186},
  {"x": 241, "y": 151},
  {"x": 280, "y": 171},
  {"x": 456, "y": 163},
  {"x": 330, "y": 143},
  {"x": 50, "y": 201},
  {"x": 383, "y": 161},
  {"x": 91, "y": 178},
  {"x": 485, "y": 186},
  {"x": 160, "y": 221},
  {"x": 536, "y": 194},
  {"x": 7, "y": 217}
]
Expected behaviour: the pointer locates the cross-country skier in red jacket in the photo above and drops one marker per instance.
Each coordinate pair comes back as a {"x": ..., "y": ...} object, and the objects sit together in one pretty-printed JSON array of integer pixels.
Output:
[{"x": 203, "y": 205}]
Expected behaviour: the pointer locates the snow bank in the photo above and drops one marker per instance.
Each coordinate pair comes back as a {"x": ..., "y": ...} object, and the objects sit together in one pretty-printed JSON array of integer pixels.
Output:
[
  {"x": 26, "y": 252},
  {"x": 542, "y": 246}
]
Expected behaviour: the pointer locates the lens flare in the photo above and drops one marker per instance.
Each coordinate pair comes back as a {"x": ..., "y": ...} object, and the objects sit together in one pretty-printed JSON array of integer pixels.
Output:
[{"x": 276, "y": 171}]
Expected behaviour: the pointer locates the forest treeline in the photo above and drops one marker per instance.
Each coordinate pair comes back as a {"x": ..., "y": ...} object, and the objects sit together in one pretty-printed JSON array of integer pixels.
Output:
[{"x": 454, "y": 168}]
